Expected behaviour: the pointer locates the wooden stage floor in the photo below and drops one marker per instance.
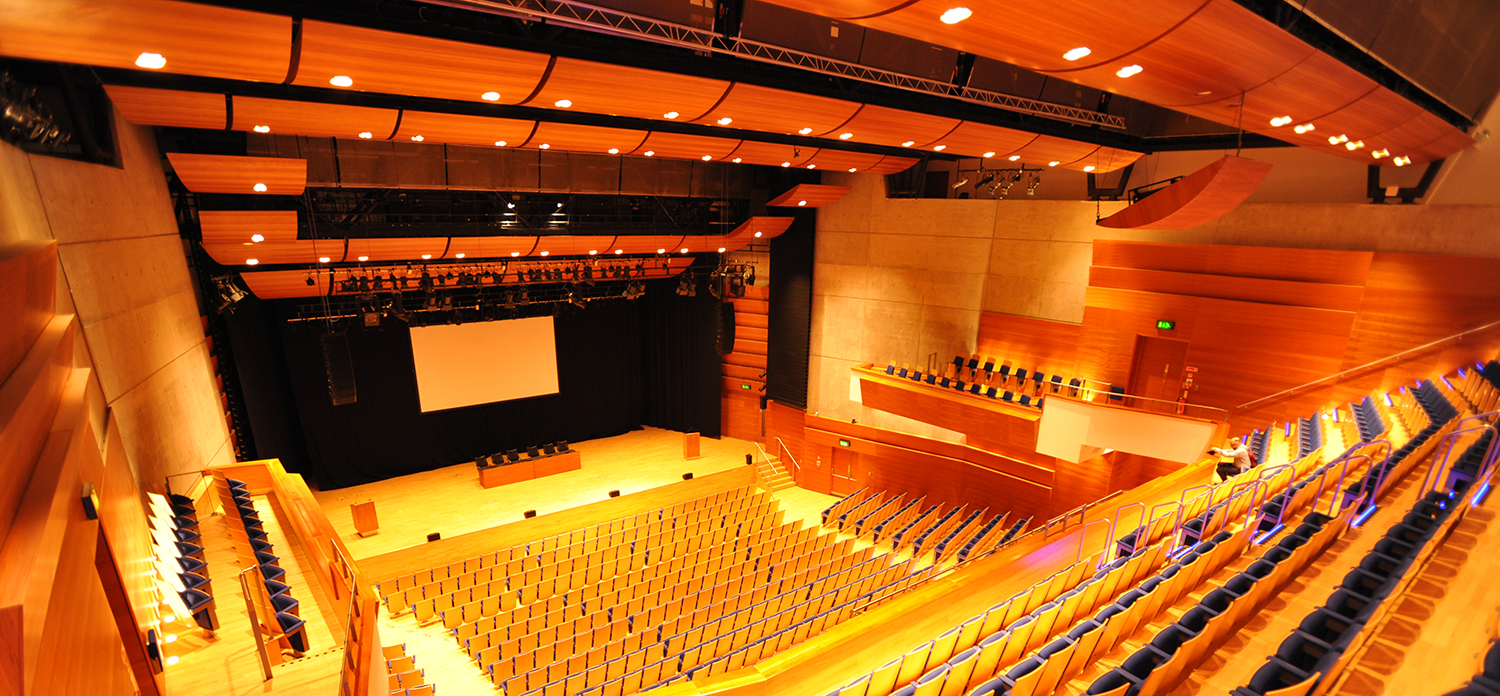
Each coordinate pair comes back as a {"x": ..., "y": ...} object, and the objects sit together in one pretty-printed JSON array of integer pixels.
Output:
[{"x": 450, "y": 500}]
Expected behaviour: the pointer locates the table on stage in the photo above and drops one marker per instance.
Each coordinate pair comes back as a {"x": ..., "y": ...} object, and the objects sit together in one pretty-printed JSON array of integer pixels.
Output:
[{"x": 530, "y": 468}]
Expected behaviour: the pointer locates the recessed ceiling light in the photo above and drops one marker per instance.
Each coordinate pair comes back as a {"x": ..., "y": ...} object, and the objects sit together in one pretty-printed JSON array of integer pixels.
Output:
[
  {"x": 459, "y": 255},
  {"x": 707, "y": 157},
  {"x": 1355, "y": 145},
  {"x": 490, "y": 96},
  {"x": 1089, "y": 168},
  {"x": 805, "y": 131},
  {"x": 669, "y": 115},
  {"x": 515, "y": 254},
  {"x": 259, "y": 188},
  {"x": 1305, "y": 128},
  {"x": 955, "y": 15},
  {"x": 341, "y": 81},
  {"x": 1280, "y": 121},
  {"x": 251, "y": 262},
  {"x": 940, "y": 148},
  {"x": 1380, "y": 153},
  {"x": 619, "y": 251},
  {"x": 563, "y": 103},
  {"x": 152, "y": 61},
  {"x": 593, "y": 252},
  {"x": 649, "y": 153},
  {"x": 757, "y": 235},
  {"x": 614, "y": 151},
  {"x": 546, "y": 253},
  {"x": 853, "y": 169},
  {"x": 801, "y": 203},
  {"x": 1077, "y": 53},
  {"x": 418, "y": 138},
  {"x": 323, "y": 259},
  {"x": 1053, "y": 163},
  {"x": 262, "y": 129},
  {"x": 366, "y": 258},
  {"x": 725, "y": 121},
  {"x": 684, "y": 250},
  {"x": 812, "y": 166},
  {"x": 786, "y": 164},
  {"x": 545, "y": 146},
  {"x": 988, "y": 155},
  {"x": 1013, "y": 157},
  {"x": 1336, "y": 139},
  {"x": 366, "y": 135},
  {"x": 721, "y": 250},
  {"x": 845, "y": 136},
  {"x": 736, "y": 160},
  {"x": 909, "y": 143},
  {"x": 1401, "y": 161},
  {"x": 1204, "y": 93},
  {"x": 512, "y": 206},
  {"x": 661, "y": 251},
  {"x": 257, "y": 238},
  {"x": 1129, "y": 70}
]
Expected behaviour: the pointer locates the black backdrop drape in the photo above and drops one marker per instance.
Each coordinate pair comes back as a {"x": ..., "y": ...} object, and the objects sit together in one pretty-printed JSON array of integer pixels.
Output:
[{"x": 621, "y": 364}]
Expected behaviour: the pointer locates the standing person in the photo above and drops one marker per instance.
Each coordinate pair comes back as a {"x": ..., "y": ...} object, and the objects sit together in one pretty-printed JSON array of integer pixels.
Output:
[{"x": 1239, "y": 459}]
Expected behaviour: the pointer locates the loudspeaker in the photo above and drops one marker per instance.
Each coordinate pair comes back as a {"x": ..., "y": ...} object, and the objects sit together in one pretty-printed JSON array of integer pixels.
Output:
[
  {"x": 529, "y": 514},
  {"x": 614, "y": 494},
  {"x": 749, "y": 460},
  {"x": 688, "y": 476},
  {"x": 726, "y": 328},
  {"x": 434, "y": 536},
  {"x": 340, "y": 368}
]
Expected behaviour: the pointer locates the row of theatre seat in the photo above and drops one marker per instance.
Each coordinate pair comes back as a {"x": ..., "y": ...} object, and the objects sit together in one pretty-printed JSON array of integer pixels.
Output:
[
  {"x": 1377, "y": 479},
  {"x": 292, "y": 626},
  {"x": 1006, "y": 373},
  {"x": 1367, "y": 419},
  {"x": 1042, "y": 663},
  {"x": 975, "y": 388},
  {"x": 900, "y": 522},
  {"x": 174, "y": 522},
  {"x": 403, "y": 675}
]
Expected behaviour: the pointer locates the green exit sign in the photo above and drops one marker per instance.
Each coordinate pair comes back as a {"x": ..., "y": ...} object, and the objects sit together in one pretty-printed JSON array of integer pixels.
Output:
[
  {"x": 843, "y": 443},
  {"x": 1165, "y": 325},
  {"x": 744, "y": 386}
]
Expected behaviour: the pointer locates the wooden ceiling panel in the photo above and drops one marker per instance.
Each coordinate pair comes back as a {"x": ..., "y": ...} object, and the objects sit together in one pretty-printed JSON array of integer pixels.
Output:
[
  {"x": 576, "y": 138},
  {"x": 809, "y": 195},
  {"x": 646, "y": 244},
  {"x": 710, "y": 244},
  {"x": 276, "y": 285},
  {"x": 300, "y": 251},
  {"x": 311, "y": 118},
  {"x": 1224, "y": 49},
  {"x": 1445, "y": 146},
  {"x": 194, "y": 39},
  {"x": 395, "y": 63},
  {"x": 618, "y": 90},
  {"x": 1404, "y": 139},
  {"x": 972, "y": 139},
  {"x": 1103, "y": 160},
  {"x": 1317, "y": 86},
  {"x": 771, "y": 154},
  {"x": 766, "y": 226},
  {"x": 679, "y": 146},
  {"x": 568, "y": 245},
  {"x": 240, "y": 226},
  {"x": 1046, "y": 149},
  {"x": 456, "y": 129},
  {"x": 280, "y": 176},
  {"x": 1032, "y": 35},
  {"x": 398, "y": 249},
  {"x": 777, "y": 111},
  {"x": 892, "y": 165},
  {"x": 878, "y": 125},
  {"x": 164, "y": 107},
  {"x": 843, "y": 161},
  {"x": 489, "y": 247}
]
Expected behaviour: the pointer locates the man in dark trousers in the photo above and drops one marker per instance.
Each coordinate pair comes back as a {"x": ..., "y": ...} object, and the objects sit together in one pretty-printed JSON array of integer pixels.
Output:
[{"x": 1238, "y": 463}]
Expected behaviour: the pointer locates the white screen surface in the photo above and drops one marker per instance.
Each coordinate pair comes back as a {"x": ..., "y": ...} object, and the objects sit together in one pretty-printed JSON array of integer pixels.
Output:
[{"x": 470, "y": 364}]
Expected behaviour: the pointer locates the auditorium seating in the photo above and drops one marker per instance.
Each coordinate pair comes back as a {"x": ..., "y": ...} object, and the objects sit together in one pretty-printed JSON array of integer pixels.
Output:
[
  {"x": 278, "y": 612},
  {"x": 992, "y": 378},
  {"x": 403, "y": 675},
  {"x": 179, "y": 562}
]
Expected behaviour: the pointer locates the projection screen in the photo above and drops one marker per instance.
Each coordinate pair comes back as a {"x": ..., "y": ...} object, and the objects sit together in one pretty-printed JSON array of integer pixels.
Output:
[{"x": 481, "y": 363}]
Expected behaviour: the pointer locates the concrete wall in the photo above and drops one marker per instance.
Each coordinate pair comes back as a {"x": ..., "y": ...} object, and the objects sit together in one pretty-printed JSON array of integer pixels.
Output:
[
  {"x": 124, "y": 274},
  {"x": 899, "y": 280}
]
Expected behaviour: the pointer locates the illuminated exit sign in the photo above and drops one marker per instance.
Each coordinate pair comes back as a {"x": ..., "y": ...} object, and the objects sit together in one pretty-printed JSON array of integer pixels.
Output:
[
  {"x": 1165, "y": 325},
  {"x": 843, "y": 443}
]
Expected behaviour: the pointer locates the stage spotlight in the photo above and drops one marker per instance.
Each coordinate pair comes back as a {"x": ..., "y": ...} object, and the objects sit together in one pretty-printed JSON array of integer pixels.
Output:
[
  {"x": 510, "y": 300},
  {"x": 310, "y": 281},
  {"x": 1031, "y": 186},
  {"x": 230, "y": 293},
  {"x": 686, "y": 287}
]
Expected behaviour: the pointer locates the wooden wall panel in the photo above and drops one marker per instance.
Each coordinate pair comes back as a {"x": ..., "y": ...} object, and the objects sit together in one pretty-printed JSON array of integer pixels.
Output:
[
  {"x": 740, "y": 407},
  {"x": 1268, "y": 291},
  {"x": 123, "y": 525},
  {"x": 1305, "y": 265},
  {"x": 787, "y": 423},
  {"x": 28, "y": 290},
  {"x": 28, "y": 402},
  {"x": 1028, "y": 342}
]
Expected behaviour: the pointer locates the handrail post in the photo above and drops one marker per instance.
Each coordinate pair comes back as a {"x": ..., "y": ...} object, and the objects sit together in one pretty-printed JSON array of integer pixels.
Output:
[{"x": 260, "y": 642}]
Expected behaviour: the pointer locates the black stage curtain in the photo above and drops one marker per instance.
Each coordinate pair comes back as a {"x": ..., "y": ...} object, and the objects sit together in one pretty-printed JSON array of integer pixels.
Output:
[
  {"x": 621, "y": 365},
  {"x": 255, "y": 348}
]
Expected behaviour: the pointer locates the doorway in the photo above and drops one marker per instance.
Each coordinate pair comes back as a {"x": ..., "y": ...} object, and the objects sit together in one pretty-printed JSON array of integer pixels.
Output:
[{"x": 1157, "y": 370}]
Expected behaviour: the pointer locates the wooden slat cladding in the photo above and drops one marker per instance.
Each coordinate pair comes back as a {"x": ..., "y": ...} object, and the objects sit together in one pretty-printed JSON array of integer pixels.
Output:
[
  {"x": 1267, "y": 291},
  {"x": 1304, "y": 265}
]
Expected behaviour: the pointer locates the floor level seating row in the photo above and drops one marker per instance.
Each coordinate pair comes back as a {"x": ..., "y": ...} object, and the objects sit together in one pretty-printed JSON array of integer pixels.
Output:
[{"x": 281, "y": 619}]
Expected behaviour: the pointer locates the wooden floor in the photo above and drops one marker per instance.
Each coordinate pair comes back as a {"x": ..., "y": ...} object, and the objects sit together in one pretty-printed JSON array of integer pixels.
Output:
[{"x": 450, "y": 500}]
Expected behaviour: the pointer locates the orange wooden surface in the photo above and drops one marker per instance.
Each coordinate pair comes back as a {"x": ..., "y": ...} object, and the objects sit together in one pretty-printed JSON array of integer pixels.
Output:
[
  {"x": 771, "y": 110},
  {"x": 28, "y": 402},
  {"x": 576, "y": 138},
  {"x": 312, "y": 118},
  {"x": 989, "y": 423},
  {"x": 1306, "y": 265},
  {"x": 739, "y": 407},
  {"x": 625, "y": 91},
  {"x": 165, "y": 107},
  {"x": 1266, "y": 290},
  {"x": 681, "y": 146},
  {"x": 28, "y": 287},
  {"x": 530, "y": 468},
  {"x": 366, "y": 521},
  {"x": 1029, "y": 343},
  {"x": 459, "y": 129},
  {"x": 1197, "y": 199},
  {"x": 815, "y": 196},
  {"x": 841, "y": 160},
  {"x": 123, "y": 524},
  {"x": 879, "y": 125},
  {"x": 768, "y": 227},
  {"x": 281, "y": 176},
  {"x": 395, "y": 63}
]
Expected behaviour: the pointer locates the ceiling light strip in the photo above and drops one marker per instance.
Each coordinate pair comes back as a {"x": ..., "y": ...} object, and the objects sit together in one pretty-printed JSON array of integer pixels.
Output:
[{"x": 603, "y": 21}]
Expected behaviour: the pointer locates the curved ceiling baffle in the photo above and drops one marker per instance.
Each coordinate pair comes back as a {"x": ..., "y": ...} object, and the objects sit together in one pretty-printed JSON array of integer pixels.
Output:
[
  {"x": 1196, "y": 199},
  {"x": 272, "y": 176},
  {"x": 1196, "y": 56}
]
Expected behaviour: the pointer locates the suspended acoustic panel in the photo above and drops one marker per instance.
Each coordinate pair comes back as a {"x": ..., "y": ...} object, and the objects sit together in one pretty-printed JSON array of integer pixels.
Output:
[
  {"x": 1200, "y": 197},
  {"x": 282, "y": 176},
  {"x": 809, "y": 196}
]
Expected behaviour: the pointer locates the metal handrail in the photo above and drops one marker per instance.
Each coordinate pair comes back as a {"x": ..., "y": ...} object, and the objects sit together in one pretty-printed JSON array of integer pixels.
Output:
[
  {"x": 1287, "y": 393},
  {"x": 766, "y": 457},
  {"x": 1109, "y": 399},
  {"x": 789, "y": 454}
]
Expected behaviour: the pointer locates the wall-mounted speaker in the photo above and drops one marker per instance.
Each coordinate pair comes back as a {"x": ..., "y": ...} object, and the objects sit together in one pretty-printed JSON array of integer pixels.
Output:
[
  {"x": 529, "y": 514},
  {"x": 434, "y": 536},
  {"x": 340, "y": 369},
  {"x": 688, "y": 476},
  {"x": 614, "y": 494}
]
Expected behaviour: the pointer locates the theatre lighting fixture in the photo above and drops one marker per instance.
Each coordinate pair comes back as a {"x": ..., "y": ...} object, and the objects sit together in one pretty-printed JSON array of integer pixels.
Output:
[
  {"x": 324, "y": 259},
  {"x": 1401, "y": 161},
  {"x": 544, "y": 146},
  {"x": 940, "y": 148},
  {"x": 257, "y": 238},
  {"x": 1089, "y": 168},
  {"x": 909, "y": 143},
  {"x": 670, "y": 115},
  {"x": 230, "y": 293},
  {"x": 1354, "y": 145},
  {"x": 1336, "y": 139},
  {"x": 845, "y": 136},
  {"x": 23, "y": 116},
  {"x": 1380, "y": 153},
  {"x": 1054, "y": 163},
  {"x": 418, "y": 137},
  {"x": 736, "y": 160},
  {"x": 961, "y": 182},
  {"x": 988, "y": 155},
  {"x": 686, "y": 287},
  {"x": 259, "y": 187}
]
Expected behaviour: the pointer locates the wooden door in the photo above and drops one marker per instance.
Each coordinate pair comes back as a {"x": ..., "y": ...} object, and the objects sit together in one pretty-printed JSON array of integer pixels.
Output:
[
  {"x": 843, "y": 482},
  {"x": 1158, "y": 368}
]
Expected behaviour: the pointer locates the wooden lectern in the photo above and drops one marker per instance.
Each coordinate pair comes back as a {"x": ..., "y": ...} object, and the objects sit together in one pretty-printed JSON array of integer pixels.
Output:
[
  {"x": 690, "y": 446},
  {"x": 365, "y": 522}
]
